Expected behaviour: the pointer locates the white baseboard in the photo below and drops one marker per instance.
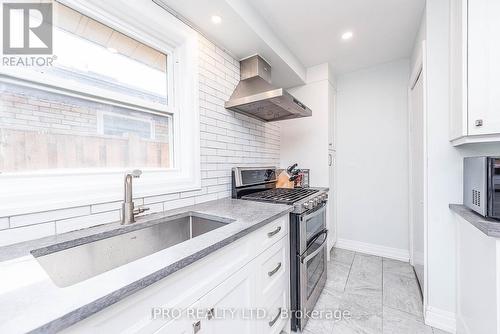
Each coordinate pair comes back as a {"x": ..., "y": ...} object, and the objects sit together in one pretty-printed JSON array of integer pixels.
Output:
[
  {"x": 372, "y": 249},
  {"x": 440, "y": 319}
]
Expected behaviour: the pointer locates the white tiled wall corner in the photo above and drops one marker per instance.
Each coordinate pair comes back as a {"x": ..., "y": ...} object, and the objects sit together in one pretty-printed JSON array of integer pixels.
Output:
[{"x": 226, "y": 140}]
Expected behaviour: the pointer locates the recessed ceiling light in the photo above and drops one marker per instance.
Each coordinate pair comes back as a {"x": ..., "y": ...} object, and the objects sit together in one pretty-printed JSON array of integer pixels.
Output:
[
  {"x": 347, "y": 35},
  {"x": 216, "y": 19},
  {"x": 112, "y": 50}
]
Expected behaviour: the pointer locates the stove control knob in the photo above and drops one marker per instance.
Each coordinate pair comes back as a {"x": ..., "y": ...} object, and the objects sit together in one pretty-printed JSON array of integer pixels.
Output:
[
  {"x": 316, "y": 201},
  {"x": 310, "y": 204}
]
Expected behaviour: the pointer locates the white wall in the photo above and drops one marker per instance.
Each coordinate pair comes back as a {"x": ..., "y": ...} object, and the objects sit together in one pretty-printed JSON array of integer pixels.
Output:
[
  {"x": 305, "y": 140},
  {"x": 227, "y": 140},
  {"x": 445, "y": 170},
  {"x": 372, "y": 157}
]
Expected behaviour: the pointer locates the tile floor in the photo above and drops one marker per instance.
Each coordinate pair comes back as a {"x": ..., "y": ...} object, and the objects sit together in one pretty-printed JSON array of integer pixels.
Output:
[{"x": 381, "y": 295}]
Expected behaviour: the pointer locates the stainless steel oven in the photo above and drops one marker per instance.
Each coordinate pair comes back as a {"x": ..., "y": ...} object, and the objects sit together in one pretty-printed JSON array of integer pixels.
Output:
[
  {"x": 308, "y": 233},
  {"x": 308, "y": 251}
]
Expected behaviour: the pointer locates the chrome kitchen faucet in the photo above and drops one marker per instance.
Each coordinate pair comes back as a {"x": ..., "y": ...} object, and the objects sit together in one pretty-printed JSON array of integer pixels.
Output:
[{"x": 128, "y": 211}]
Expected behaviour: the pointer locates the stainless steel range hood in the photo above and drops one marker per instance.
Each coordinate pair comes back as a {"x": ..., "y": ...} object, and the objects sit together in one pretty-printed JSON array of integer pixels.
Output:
[{"x": 256, "y": 97}]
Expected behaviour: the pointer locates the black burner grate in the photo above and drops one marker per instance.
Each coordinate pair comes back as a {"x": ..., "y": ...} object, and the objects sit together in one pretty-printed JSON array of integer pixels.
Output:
[{"x": 281, "y": 195}]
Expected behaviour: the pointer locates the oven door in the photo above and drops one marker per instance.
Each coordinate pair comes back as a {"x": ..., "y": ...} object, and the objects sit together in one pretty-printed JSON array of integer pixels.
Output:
[
  {"x": 312, "y": 261},
  {"x": 311, "y": 223},
  {"x": 494, "y": 188}
]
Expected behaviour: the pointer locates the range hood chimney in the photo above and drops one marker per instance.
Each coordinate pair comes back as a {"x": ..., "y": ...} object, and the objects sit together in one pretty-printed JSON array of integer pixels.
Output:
[{"x": 256, "y": 97}]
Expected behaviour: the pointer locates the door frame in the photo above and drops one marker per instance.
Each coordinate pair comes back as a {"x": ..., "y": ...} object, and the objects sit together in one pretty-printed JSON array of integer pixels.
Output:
[{"x": 419, "y": 70}]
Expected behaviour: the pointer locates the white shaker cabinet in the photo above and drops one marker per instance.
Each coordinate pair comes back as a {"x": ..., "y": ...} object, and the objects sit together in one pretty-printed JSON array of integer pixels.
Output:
[
  {"x": 225, "y": 305},
  {"x": 180, "y": 326},
  {"x": 251, "y": 300},
  {"x": 250, "y": 273},
  {"x": 474, "y": 71}
]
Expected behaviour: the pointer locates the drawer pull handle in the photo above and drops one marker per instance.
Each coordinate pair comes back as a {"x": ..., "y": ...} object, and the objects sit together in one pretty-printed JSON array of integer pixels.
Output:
[
  {"x": 272, "y": 322},
  {"x": 196, "y": 327},
  {"x": 276, "y": 231},
  {"x": 275, "y": 270},
  {"x": 210, "y": 313}
]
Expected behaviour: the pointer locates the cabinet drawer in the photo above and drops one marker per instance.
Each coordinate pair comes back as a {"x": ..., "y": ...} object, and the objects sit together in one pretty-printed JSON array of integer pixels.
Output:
[
  {"x": 183, "y": 325},
  {"x": 271, "y": 233},
  {"x": 273, "y": 268},
  {"x": 276, "y": 313}
]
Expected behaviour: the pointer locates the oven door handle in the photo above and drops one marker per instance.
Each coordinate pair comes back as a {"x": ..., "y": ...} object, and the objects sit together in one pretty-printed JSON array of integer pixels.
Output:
[{"x": 304, "y": 258}]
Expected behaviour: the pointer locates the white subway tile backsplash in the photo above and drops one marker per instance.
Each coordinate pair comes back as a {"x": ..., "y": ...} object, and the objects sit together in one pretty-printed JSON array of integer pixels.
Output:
[
  {"x": 178, "y": 203},
  {"x": 20, "y": 234},
  {"x": 4, "y": 223},
  {"x": 208, "y": 182},
  {"x": 206, "y": 198},
  {"x": 217, "y": 188},
  {"x": 72, "y": 224},
  {"x": 42, "y": 217},
  {"x": 97, "y": 208},
  {"x": 161, "y": 198},
  {"x": 200, "y": 192},
  {"x": 227, "y": 139}
]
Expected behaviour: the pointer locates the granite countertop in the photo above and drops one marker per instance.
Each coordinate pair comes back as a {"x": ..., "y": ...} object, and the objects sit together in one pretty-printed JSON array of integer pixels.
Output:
[
  {"x": 30, "y": 301},
  {"x": 490, "y": 227}
]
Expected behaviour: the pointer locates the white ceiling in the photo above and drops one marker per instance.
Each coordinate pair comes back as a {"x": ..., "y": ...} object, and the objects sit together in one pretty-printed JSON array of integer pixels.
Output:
[
  {"x": 236, "y": 35},
  {"x": 383, "y": 30},
  {"x": 295, "y": 34}
]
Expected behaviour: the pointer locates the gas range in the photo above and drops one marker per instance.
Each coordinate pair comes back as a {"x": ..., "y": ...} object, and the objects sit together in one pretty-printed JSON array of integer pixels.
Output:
[
  {"x": 308, "y": 233},
  {"x": 302, "y": 199},
  {"x": 259, "y": 184}
]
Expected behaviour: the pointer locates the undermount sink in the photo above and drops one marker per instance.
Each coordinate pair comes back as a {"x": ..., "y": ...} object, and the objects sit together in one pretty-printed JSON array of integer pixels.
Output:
[{"x": 72, "y": 265}]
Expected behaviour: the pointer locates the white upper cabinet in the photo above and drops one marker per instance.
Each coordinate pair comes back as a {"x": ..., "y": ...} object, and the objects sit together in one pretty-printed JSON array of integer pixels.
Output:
[
  {"x": 475, "y": 71},
  {"x": 484, "y": 66}
]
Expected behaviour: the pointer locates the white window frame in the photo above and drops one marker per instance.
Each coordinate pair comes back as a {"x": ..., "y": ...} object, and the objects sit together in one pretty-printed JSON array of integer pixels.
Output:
[{"x": 43, "y": 190}]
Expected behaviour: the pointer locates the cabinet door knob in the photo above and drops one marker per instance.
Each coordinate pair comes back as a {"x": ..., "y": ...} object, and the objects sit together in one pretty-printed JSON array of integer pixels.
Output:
[{"x": 478, "y": 122}]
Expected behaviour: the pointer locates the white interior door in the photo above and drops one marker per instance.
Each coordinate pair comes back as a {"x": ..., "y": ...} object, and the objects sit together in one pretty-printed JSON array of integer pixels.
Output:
[{"x": 416, "y": 139}]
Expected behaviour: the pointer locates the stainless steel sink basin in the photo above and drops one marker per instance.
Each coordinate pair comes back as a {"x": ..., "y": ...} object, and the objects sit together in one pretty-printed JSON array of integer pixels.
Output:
[{"x": 72, "y": 265}]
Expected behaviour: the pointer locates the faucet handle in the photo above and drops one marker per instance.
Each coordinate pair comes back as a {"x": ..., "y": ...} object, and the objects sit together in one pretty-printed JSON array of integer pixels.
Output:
[
  {"x": 135, "y": 173},
  {"x": 140, "y": 210}
]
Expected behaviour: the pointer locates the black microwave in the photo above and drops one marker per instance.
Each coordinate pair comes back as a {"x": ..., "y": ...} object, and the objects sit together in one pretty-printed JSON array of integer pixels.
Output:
[{"x": 482, "y": 185}]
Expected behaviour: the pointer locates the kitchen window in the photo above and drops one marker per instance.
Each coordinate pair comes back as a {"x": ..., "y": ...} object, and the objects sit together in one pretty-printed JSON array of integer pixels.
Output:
[
  {"x": 109, "y": 103},
  {"x": 46, "y": 130}
]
